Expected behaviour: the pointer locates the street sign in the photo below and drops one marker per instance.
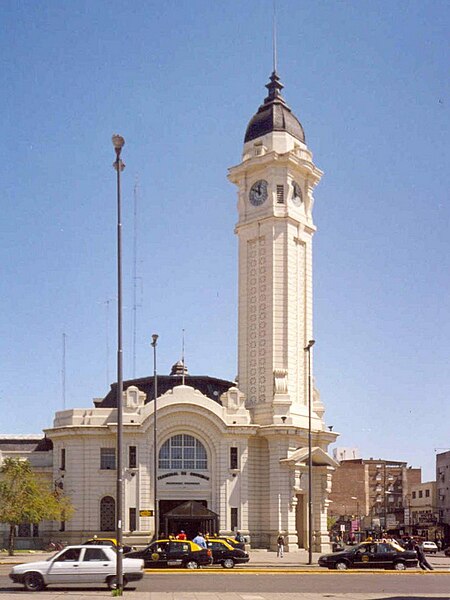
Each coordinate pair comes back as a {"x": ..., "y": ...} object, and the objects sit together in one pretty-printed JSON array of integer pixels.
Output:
[{"x": 146, "y": 513}]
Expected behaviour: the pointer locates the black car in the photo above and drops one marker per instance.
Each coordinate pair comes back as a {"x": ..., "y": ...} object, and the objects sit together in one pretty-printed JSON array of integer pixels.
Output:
[
  {"x": 173, "y": 553},
  {"x": 224, "y": 554},
  {"x": 232, "y": 541},
  {"x": 371, "y": 555}
]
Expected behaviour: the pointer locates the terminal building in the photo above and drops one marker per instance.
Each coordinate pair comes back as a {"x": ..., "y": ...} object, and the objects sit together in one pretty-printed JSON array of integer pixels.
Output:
[{"x": 230, "y": 455}]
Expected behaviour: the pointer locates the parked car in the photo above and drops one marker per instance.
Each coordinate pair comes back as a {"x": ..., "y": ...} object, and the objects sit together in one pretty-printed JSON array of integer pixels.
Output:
[
  {"x": 96, "y": 541},
  {"x": 173, "y": 553},
  {"x": 77, "y": 564},
  {"x": 430, "y": 547},
  {"x": 234, "y": 543},
  {"x": 372, "y": 555},
  {"x": 224, "y": 554}
]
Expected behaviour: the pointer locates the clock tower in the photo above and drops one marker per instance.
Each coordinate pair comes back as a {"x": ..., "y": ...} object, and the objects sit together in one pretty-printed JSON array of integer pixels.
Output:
[{"x": 275, "y": 182}]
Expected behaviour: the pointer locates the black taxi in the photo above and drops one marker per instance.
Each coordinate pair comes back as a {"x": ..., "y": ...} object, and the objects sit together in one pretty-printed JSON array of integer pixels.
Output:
[
  {"x": 371, "y": 555},
  {"x": 173, "y": 553},
  {"x": 225, "y": 554}
]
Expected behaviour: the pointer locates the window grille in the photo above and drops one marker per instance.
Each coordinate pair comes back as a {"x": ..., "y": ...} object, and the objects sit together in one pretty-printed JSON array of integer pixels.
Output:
[
  {"x": 132, "y": 523},
  {"x": 280, "y": 194},
  {"x": 234, "y": 458},
  {"x": 107, "y": 514},
  {"x": 132, "y": 457},
  {"x": 183, "y": 452},
  {"x": 107, "y": 458}
]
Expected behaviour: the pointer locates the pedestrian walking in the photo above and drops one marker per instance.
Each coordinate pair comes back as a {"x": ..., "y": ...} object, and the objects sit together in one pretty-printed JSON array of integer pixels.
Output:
[
  {"x": 280, "y": 546},
  {"x": 423, "y": 563}
]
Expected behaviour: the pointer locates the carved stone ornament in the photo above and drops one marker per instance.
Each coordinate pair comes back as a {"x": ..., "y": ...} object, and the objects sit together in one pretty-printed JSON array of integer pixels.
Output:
[{"x": 280, "y": 381}]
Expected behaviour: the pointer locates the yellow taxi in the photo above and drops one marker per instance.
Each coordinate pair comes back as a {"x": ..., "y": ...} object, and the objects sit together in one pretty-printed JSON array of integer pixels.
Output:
[
  {"x": 173, "y": 553},
  {"x": 96, "y": 541}
]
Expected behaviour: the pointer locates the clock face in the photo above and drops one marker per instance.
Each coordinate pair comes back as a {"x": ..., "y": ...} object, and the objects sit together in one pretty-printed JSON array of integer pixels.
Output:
[
  {"x": 297, "y": 196},
  {"x": 258, "y": 192}
]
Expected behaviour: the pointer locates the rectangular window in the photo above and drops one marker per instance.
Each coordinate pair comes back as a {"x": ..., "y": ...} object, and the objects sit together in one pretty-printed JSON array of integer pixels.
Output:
[
  {"x": 420, "y": 494},
  {"x": 234, "y": 458},
  {"x": 427, "y": 493},
  {"x": 280, "y": 194},
  {"x": 234, "y": 519},
  {"x": 132, "y": 457},
  {"x": 132, "y": 519},
  {"x": 107, "y": 458},
  {"x": 414, "y": 495},
  {"x": 63, "y": 459},
  {"x": 24, "y": 530}
]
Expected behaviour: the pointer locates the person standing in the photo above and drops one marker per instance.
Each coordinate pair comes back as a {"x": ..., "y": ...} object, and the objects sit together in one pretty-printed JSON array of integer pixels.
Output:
[
  {"x": 181, "y": 535},
  {"x": 200, "y": 540},
  {"x": 423, "y": 563},
  {"x": 280, "y": 546}
]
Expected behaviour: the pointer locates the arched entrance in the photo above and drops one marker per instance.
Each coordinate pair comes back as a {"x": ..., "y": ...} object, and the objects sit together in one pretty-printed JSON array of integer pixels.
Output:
[{"x": 191, "y": 517}]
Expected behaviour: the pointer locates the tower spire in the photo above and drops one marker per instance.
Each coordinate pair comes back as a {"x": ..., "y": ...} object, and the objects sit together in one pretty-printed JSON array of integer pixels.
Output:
[{"x": 274, "y": 37}]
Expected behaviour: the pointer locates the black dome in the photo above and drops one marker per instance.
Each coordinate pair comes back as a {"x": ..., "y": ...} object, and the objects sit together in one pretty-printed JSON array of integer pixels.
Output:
[{"x": 274, "y": 115}]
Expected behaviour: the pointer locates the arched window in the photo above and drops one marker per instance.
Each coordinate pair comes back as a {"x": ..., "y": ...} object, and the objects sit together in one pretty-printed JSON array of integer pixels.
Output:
[
  {"x": 182, "y": 452},
  {"x": 107, "y": 514}
]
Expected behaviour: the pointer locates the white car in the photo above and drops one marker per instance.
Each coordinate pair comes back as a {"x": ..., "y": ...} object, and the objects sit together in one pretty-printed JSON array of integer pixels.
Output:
[
  {"x": 77, "y": 564},
  {"x": 430, "y": 547}
]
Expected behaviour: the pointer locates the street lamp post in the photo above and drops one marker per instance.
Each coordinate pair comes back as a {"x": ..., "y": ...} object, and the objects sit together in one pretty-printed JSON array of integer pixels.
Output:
[
  {"x": 118, "y": 143},
  {"x": 155, "y": 454},
  {"x": 310, "y": 487}
]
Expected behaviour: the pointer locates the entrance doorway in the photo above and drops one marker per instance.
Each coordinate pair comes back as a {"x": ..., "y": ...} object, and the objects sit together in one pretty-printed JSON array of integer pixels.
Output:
[{"x": 190, "y": 516}]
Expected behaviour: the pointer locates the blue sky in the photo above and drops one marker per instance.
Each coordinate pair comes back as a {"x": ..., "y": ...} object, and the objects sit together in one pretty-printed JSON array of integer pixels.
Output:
[{"x": 180, "y": 80}]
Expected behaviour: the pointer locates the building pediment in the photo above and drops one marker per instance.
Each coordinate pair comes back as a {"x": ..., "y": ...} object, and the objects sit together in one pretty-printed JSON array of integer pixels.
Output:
[{"x": 319, "y": 457}]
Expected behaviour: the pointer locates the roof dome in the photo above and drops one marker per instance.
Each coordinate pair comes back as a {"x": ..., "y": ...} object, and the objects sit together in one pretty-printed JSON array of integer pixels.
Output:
[
  {"x": 274, "y": 115},
  {"x": 179, "y": 368}
]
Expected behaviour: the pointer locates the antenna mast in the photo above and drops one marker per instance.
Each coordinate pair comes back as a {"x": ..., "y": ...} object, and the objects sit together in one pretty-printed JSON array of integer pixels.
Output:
[
  {"x": 63, "y": 370},
  {"x": 274, "y": 37},
  {"x": 182, "y": 358}
]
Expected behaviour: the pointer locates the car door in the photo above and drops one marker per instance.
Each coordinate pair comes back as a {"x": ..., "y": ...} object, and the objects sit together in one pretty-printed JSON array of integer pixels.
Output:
[
  {"x": 178, "y": 553},
  {"x": 96, "y": 565},
  {"x": 65, "y": 567},
  {"x": 156, "y": 555},
  {"x": 384, "y": 555},
  {"x": 359, "y": 556},
  {"x": 217, "y": 550}
]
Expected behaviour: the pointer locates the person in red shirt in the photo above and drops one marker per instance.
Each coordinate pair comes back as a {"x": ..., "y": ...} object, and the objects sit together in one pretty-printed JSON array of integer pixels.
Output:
[{"x": 181, "y": 535}]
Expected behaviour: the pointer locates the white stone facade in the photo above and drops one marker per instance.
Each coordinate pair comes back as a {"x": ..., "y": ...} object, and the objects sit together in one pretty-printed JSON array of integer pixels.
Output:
[{"x": 254, "y": 471}]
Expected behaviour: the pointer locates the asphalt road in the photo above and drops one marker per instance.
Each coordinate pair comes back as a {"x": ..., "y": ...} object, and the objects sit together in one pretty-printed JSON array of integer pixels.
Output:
[{"x": 418, "y": 584}]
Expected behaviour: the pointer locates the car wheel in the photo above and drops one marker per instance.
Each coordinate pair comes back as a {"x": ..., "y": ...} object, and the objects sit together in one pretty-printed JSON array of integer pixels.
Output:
[
  {"x": 399, "y": 566},
  {"x": 341, "y": 566},
  {"x": 33, "y": 582},
  {"x": 191, "y": 564},
  {"x": 228, "y": 563}
]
